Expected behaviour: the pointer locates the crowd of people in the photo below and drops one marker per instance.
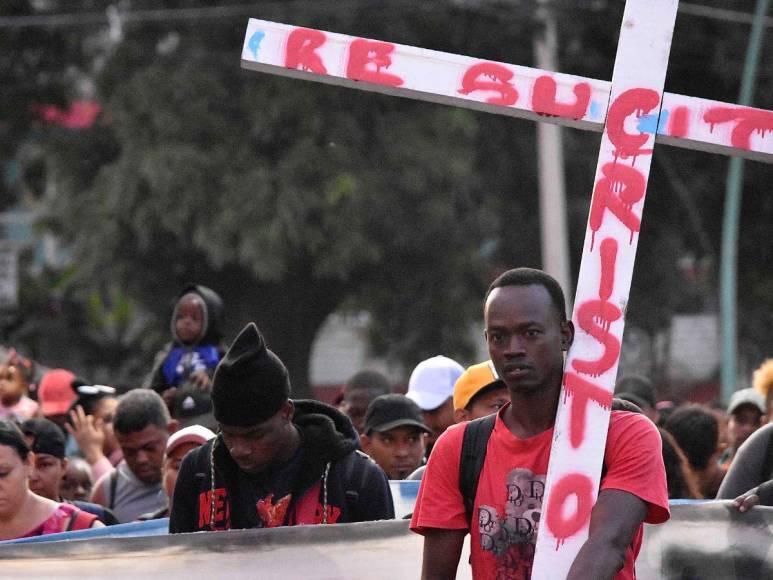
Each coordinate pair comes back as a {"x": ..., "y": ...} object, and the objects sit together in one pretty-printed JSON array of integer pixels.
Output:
[{"x": 214, "y": 441}]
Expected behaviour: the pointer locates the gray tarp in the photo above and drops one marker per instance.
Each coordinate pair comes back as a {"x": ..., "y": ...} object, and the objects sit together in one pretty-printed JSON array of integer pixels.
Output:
[{"x": 700, "y": 541}]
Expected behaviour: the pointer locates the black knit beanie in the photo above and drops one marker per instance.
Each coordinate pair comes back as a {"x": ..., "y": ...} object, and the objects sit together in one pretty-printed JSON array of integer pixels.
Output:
[{"x": 250, "y": 384}]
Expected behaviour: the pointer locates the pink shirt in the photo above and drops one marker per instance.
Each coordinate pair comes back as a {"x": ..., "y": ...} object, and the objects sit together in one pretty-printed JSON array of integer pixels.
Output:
[{"x": 25, "y": 409}]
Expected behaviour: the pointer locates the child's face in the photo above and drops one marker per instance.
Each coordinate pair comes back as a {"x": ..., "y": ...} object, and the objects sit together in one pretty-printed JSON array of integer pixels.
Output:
[
  {"x": 12, "y": 386},
  {"x": 189, "y": 322}
]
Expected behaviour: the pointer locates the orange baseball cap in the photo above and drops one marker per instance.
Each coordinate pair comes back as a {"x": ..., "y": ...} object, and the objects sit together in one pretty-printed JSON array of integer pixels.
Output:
[
  {"x": 55, "y": 392},
  {"x": 474, "y": 380}
]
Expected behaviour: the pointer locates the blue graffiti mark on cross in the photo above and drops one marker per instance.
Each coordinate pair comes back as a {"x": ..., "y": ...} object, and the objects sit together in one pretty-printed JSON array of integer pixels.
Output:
[
  {"x": 254, "y": 43},
  {"x": 650, "y": 123}
]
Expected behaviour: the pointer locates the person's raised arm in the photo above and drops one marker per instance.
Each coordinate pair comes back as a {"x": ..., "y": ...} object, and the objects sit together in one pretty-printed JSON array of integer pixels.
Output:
[
  {"x": 442, "y": 549},
  {"x": 614, "y": 521}
]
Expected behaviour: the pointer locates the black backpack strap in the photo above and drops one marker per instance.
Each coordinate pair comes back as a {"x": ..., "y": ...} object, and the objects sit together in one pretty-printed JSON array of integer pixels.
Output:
[
  {"x": 473, "y": 456},
  {"x": 113, "y": 487}
]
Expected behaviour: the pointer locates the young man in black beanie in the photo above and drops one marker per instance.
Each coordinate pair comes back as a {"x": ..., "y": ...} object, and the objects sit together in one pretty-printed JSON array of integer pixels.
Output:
[{"x": 276, "y": 462}]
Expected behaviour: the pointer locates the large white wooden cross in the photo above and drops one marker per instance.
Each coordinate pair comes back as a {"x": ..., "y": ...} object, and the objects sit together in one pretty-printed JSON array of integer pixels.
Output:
[{"x": 633, "y": 113}]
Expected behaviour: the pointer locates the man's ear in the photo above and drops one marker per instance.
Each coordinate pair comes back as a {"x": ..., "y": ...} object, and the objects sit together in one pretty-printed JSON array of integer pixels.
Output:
[
  {"x": 365, "y": 443},
  {"x": 288, "y": 410},
  {"x": 65, "y": 463},
  {"x": 172, "y": 426},
  {"x": 567, "y": 334},
  {"x": 461, "y": 415}
]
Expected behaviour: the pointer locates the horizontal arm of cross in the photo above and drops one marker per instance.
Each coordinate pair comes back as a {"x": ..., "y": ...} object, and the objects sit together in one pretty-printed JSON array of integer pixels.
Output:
[{"x": 499, "y": 88}]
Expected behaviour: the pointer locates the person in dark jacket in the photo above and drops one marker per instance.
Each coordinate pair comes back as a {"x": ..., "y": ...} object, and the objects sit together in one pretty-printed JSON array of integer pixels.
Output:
[
  {"x": 276, "y": 462},
  {"x": 186, "y": 366}
]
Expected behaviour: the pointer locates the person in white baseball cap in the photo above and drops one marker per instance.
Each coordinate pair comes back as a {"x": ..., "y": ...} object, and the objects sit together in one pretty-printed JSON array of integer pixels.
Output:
[
  {"x": 431, "y": 387},
  {"x": 178, "y": 445}
]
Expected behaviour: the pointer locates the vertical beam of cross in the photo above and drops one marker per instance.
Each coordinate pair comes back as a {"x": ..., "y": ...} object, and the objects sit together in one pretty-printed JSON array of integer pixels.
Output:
[{"x": 603, "y": 285}]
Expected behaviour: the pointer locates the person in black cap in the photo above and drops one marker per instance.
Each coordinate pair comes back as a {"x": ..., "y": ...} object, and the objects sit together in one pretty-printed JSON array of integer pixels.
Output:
[
  {"x": 276, "y": 462},
  {"x": 47, "y": 442},
  {"x": 395, "y": 435}
]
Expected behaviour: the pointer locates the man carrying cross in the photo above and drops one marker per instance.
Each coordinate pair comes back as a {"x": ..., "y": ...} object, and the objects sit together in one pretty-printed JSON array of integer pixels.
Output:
[{"x": 527, "y": 334}]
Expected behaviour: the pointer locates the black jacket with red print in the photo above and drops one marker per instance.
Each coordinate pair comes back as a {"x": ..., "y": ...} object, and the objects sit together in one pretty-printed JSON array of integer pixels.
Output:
[{"x": 335, "y": 482}]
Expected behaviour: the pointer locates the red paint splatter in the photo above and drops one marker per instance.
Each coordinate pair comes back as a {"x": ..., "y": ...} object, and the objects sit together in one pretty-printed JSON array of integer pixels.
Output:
[
  {"x": 562, "y": 527},
  {"x": 746, "y": 122},
  {"x": 367, "y": 58},
  {"x": 679, "y": 122},
  {"x": 543, "y": 99},
  {"x": 499, "y": 82},
  {"x": 630, "y": 102},
  {"x": 617, "y": 191},
  {"x": 300, "y": 52},
  {"x": 582, "y": 391}
]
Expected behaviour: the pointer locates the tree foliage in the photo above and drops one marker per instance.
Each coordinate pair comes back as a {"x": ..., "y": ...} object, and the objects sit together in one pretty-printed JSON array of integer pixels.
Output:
[{"x": 295, "y": 199}]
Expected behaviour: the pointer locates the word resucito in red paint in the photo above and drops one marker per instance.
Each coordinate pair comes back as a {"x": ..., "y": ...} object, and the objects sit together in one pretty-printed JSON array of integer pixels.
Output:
[
  {"x": 544, "y": 101},
  {"x": 366, "y": 60},
  {"x": 300, "y": 52},
  {"x": 679, "y": 122},
  {"x": 746, "y": 122},
  {"x": 499, "y": 78},
  {"x": 630, "y": 102}
]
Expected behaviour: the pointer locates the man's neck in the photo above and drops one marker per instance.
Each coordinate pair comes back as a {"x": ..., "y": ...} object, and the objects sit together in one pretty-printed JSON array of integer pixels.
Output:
[
  {"x": 530, "y": 414},
  {"x": 294, "y": 441}
]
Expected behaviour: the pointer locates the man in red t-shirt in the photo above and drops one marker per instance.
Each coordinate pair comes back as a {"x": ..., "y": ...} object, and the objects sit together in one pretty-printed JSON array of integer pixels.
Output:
[{"x": 527, "y": 333}]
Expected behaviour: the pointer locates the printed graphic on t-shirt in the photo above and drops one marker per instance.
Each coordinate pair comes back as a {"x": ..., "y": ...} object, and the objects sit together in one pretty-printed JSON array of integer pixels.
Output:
[
  {"x": 191, "y": 362},
  {"x": 511, "y": 536},
  {"x": 273, "y": 514}
]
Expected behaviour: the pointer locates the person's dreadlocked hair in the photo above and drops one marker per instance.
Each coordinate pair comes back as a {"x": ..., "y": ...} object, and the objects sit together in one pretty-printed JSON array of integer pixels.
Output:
[
  {"x": 532, "y": 277},
  {"x": 696, "y": 430}
]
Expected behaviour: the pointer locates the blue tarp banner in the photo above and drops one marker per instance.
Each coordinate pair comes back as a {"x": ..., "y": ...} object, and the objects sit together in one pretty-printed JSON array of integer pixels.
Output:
[{"x": 702, "y": 540}]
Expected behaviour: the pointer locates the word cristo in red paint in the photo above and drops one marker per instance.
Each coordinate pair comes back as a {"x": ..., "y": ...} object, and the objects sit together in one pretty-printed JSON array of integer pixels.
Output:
[{"x": 617, "y": 190}]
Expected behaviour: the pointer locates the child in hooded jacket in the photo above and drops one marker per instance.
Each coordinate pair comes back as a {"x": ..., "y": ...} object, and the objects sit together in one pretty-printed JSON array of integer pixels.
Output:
[{"x": 190, "y": 361}]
